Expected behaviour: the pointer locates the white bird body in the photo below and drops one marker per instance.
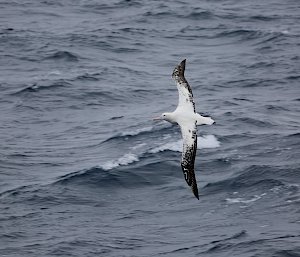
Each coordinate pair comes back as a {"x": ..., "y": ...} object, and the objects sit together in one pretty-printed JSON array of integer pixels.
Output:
[
  {"x": 180, "y": 116},
  {"x": 187, "y": 118}
]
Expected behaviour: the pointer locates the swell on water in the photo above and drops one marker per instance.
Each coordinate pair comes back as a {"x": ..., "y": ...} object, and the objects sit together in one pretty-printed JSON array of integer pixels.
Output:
[{"x": 206, "y": 141}]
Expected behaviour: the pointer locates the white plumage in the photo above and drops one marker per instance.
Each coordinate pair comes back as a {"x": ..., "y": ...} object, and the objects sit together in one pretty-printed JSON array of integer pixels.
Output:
[{"x": 186, "y": 117}]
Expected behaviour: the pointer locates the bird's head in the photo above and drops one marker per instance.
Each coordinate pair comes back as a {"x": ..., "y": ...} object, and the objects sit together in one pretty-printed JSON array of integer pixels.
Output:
[{"x": 167, "y": 116}]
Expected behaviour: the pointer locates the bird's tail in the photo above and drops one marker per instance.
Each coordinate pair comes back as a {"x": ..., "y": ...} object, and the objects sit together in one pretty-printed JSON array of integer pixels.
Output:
[{"x": 204, "y": 120}]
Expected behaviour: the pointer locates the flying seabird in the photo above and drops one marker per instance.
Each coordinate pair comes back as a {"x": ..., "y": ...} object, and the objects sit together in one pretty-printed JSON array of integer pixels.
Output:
[{"x": 187, "y": 118}]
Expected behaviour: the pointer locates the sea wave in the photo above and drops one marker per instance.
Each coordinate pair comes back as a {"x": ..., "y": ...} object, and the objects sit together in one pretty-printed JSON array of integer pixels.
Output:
[
  {"x": 63, "y": 55},
  {"x": 255, "y": 122},
  {"x": 41, "y": 86},
  {"x": 252, "y": 34},
  {"x": 122, "y": 176},
  {"x": 122, "y": 161},
  {"x": 254, "y": 177},
  {"x": 110, "y": 171},
  {"x": 207, "y": 141},
  {"x": 132, "y": 132},
  {"x": 244, "y": 200},
  {"x": 137, "y": 131}
]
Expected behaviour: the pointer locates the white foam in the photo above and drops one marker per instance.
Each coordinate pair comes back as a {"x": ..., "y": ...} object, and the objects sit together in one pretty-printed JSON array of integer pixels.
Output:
[
  {"x": 122, "y": 161},
  {"x": 243, "y": 200},
  {"x": 208, "y": 141},
  {"x": 138, "y": 146}
]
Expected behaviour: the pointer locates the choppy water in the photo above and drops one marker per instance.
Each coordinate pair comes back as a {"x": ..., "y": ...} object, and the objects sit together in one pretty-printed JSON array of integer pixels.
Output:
[{"x": 85, "y": 172}]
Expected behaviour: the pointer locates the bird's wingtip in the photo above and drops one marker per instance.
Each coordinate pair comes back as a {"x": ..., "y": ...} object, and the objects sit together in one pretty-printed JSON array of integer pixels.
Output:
[
  {"x": 195, "y": 191},
  {"x": 182, "y": 64},
  {"x": 179, "y": 69},
  {"x": 196, "y": 195}
]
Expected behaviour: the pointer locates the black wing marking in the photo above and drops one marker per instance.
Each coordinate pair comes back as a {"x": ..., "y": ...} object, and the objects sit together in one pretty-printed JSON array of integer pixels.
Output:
[
  {"x": 189, "y": 135},
  {"x": 184, "y": 89}
]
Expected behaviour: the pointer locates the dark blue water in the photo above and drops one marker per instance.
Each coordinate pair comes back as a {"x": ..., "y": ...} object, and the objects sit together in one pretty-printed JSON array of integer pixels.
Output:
[{"x": 84, "y": 171}]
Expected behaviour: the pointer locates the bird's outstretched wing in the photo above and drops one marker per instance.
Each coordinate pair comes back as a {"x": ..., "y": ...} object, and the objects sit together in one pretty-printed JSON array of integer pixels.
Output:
[
  {"x": 189, "y": 136},
  {"x": 185, "y": 92}
]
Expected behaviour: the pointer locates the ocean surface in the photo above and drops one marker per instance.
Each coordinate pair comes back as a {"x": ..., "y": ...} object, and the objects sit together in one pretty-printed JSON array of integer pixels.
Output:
[{"x": 84, "y": 170}]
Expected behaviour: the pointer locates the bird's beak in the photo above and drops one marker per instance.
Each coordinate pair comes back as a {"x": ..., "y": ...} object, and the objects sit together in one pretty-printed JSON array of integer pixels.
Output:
[{"x": 157, "y": 118}]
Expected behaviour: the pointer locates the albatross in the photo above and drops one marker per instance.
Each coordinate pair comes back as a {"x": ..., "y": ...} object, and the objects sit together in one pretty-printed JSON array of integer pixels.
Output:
[{"x": 188, "y": 119}]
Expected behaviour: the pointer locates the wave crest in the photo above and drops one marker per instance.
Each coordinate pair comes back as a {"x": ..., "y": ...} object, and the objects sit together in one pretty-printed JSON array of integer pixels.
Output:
[
  {"x": 63, "y": 55},
  {"x": 122, "y": 161}
]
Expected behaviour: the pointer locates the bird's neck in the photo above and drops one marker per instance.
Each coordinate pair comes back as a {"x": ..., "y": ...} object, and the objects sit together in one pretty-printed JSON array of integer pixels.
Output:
[{"x": 171, "y": 117}]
